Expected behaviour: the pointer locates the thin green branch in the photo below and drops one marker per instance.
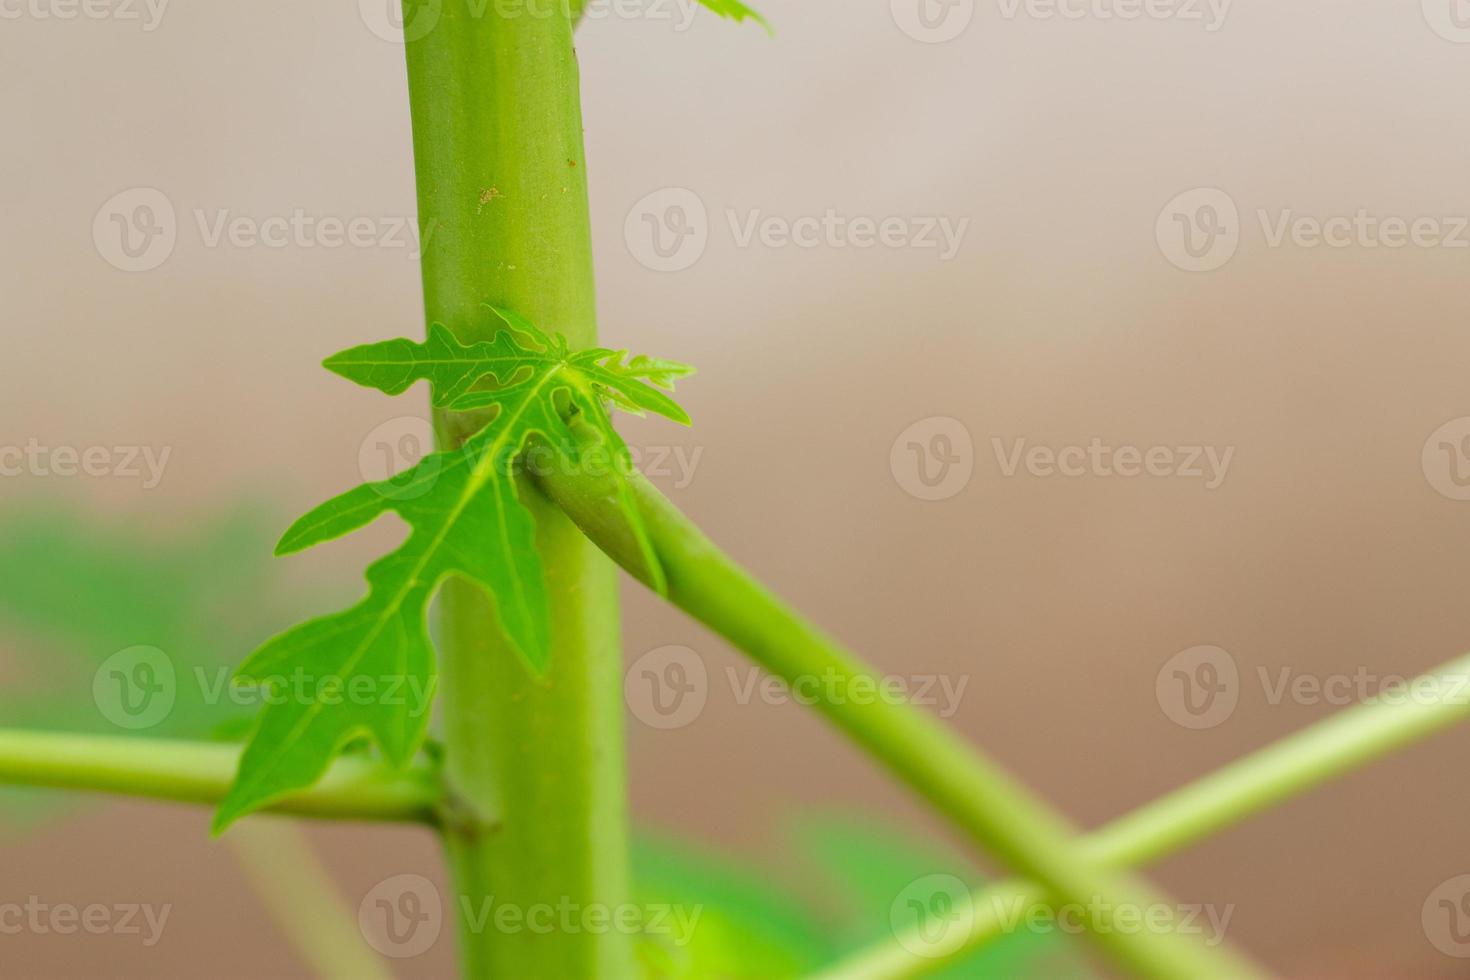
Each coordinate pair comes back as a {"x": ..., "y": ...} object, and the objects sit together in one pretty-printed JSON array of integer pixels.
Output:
[
  {"x": 201, "y": 772},
  {"x": 297, "y": 890},
  {"x": 1242, "y": 789},
  {"x": 993, "y": 808}
]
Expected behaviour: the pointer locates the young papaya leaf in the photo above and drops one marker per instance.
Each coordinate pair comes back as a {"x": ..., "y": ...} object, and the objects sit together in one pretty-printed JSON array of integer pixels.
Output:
[
  {"x": 369, "y": 670},
  {"x": 458, "y": 375},
  {"x": 468, "y": 523},
  {"x": 736, "y": 11},
  {"x": 729, "y": 9}
]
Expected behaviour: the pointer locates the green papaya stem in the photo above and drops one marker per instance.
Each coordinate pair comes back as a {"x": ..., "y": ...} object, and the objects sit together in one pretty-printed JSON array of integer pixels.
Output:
[
  {"x": 202, "y": 772},
  {"x": 534, "y": 766},
  {"x": 996, "y": 811},
  {"x": 1290, "y": 767}
]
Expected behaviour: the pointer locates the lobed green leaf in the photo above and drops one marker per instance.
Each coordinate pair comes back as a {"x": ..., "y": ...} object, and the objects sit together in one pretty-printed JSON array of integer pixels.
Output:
[
  {"x": 368, "y": 672},
  {"x": 737, "y": 11}
]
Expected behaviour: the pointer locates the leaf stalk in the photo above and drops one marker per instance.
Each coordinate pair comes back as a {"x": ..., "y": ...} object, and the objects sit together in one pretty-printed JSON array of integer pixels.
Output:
[
  {"x": 992, "y": 808},
  {"x": 201, "y": 772},
  {"x": 1288, "y": 768}
]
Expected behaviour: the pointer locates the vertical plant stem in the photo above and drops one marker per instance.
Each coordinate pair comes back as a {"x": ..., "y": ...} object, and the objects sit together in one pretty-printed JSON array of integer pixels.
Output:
[{"x": 534, "y": 767}]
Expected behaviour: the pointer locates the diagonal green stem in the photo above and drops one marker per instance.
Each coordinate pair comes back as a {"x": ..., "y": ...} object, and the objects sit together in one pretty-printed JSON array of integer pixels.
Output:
[
  {"x": 201, "y": 772},
  {"x": 298, "y": 892},
  {"x": 994, "y": 809},
  {"x": 1242, "y": 789}
]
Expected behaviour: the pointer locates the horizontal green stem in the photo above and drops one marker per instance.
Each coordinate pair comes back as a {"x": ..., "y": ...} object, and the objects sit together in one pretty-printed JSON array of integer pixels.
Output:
[
  {"x": 991, "y": 807},
  {"x": 201, "y": 772},
  {"x": 1244, "y": 788}
]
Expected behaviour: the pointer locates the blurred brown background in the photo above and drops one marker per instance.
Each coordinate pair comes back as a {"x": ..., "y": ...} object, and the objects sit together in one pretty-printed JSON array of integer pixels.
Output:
[{"x": 1326, "y": 548}]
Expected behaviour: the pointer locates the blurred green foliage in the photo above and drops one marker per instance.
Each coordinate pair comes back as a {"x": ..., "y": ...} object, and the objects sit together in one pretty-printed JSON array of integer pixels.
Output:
[{"x": 836, "y": 894}]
